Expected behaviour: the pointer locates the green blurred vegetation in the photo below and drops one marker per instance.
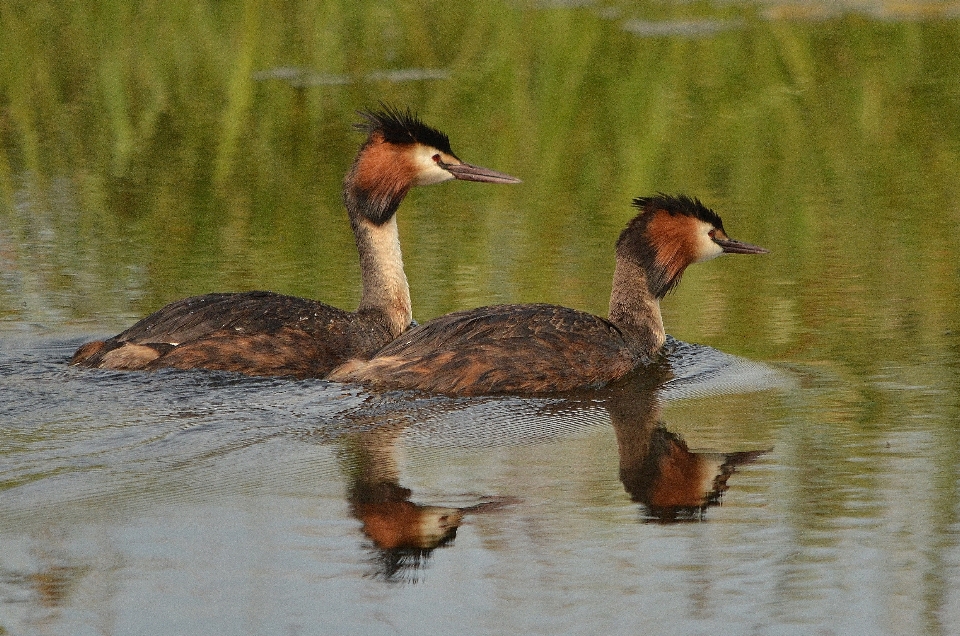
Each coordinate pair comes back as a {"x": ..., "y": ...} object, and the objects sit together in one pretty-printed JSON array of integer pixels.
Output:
[{"x": 154, "y": 150}]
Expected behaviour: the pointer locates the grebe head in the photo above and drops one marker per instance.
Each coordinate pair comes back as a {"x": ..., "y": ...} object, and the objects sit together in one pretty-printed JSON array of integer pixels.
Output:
[
  {"x": 672, "y": 232},
  {"x": 401, "y": 152}
]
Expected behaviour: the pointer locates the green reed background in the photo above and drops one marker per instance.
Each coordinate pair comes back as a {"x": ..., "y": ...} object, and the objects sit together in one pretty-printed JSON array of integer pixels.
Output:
[{"x": 160, "y": 149}]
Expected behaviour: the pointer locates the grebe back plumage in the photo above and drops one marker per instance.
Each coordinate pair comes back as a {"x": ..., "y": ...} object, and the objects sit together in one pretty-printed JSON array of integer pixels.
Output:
[
  {"x": 265, "y": 333},
  {"x": 540, "y": 348}
]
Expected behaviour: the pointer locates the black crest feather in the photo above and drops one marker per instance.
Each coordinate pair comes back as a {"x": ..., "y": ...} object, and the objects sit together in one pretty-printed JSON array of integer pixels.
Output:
[
  {"x": 679, "y": 204},
  {"x": 400, "y": 126}
]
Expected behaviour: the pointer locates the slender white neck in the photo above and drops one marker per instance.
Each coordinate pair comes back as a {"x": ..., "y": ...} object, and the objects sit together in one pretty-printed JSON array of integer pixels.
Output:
[
  {"x": 372, "y": 191},
  {"x": 385, "y": 287},
  {"x": 634, "y": 309}
]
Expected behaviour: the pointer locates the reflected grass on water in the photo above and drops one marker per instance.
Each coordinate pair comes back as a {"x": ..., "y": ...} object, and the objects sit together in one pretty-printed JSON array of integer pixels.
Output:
[{"x": 811, "y": 138}]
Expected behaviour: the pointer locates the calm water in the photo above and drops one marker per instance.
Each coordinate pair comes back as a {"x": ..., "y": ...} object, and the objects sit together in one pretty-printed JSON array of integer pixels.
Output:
[{"x": 798, "y": 472}]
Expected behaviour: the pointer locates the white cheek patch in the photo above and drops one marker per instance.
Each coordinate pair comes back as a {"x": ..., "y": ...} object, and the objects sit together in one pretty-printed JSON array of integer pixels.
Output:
[
  {"x": 428, "y": 172},
  {"x": 705, "y": 247}
]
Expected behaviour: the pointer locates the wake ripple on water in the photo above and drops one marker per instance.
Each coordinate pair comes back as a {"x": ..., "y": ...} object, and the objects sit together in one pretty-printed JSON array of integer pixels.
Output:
[{"x": 115, "y": 428}]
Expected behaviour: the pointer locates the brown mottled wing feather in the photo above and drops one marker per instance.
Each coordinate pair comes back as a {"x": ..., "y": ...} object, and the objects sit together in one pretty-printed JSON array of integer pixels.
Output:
[
  {"x": 500, "y": 349},
  {"x": 288, "y": 351},
  {"x": 249, "y": 312},
  {"x": 258, "y": 333}
]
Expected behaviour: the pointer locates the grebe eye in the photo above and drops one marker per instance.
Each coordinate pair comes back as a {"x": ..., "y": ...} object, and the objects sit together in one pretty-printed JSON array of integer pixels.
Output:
[
  {"x": 712, "y": 233},
  {"x": 436, "y": 158}
]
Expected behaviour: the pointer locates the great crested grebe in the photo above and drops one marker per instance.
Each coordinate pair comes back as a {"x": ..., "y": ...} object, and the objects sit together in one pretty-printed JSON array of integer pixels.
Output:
[
  {"x": 264, "y": 333},
  {"x": 529, "y": 349}
]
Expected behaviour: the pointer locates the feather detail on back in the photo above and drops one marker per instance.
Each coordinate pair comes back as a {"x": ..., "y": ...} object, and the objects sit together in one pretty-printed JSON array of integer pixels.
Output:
[{"x": 499, "y": 349}]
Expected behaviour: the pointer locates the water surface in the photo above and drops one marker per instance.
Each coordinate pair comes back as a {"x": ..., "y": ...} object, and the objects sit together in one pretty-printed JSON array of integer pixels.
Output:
[{"x": 795, "y": 473}]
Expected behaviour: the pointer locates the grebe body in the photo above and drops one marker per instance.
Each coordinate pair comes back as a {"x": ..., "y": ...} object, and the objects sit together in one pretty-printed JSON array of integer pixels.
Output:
[
  {"x": 264, "y": 333},
  {"x": 256, "y": 333},
  {"x": 536, "y": 349}
]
